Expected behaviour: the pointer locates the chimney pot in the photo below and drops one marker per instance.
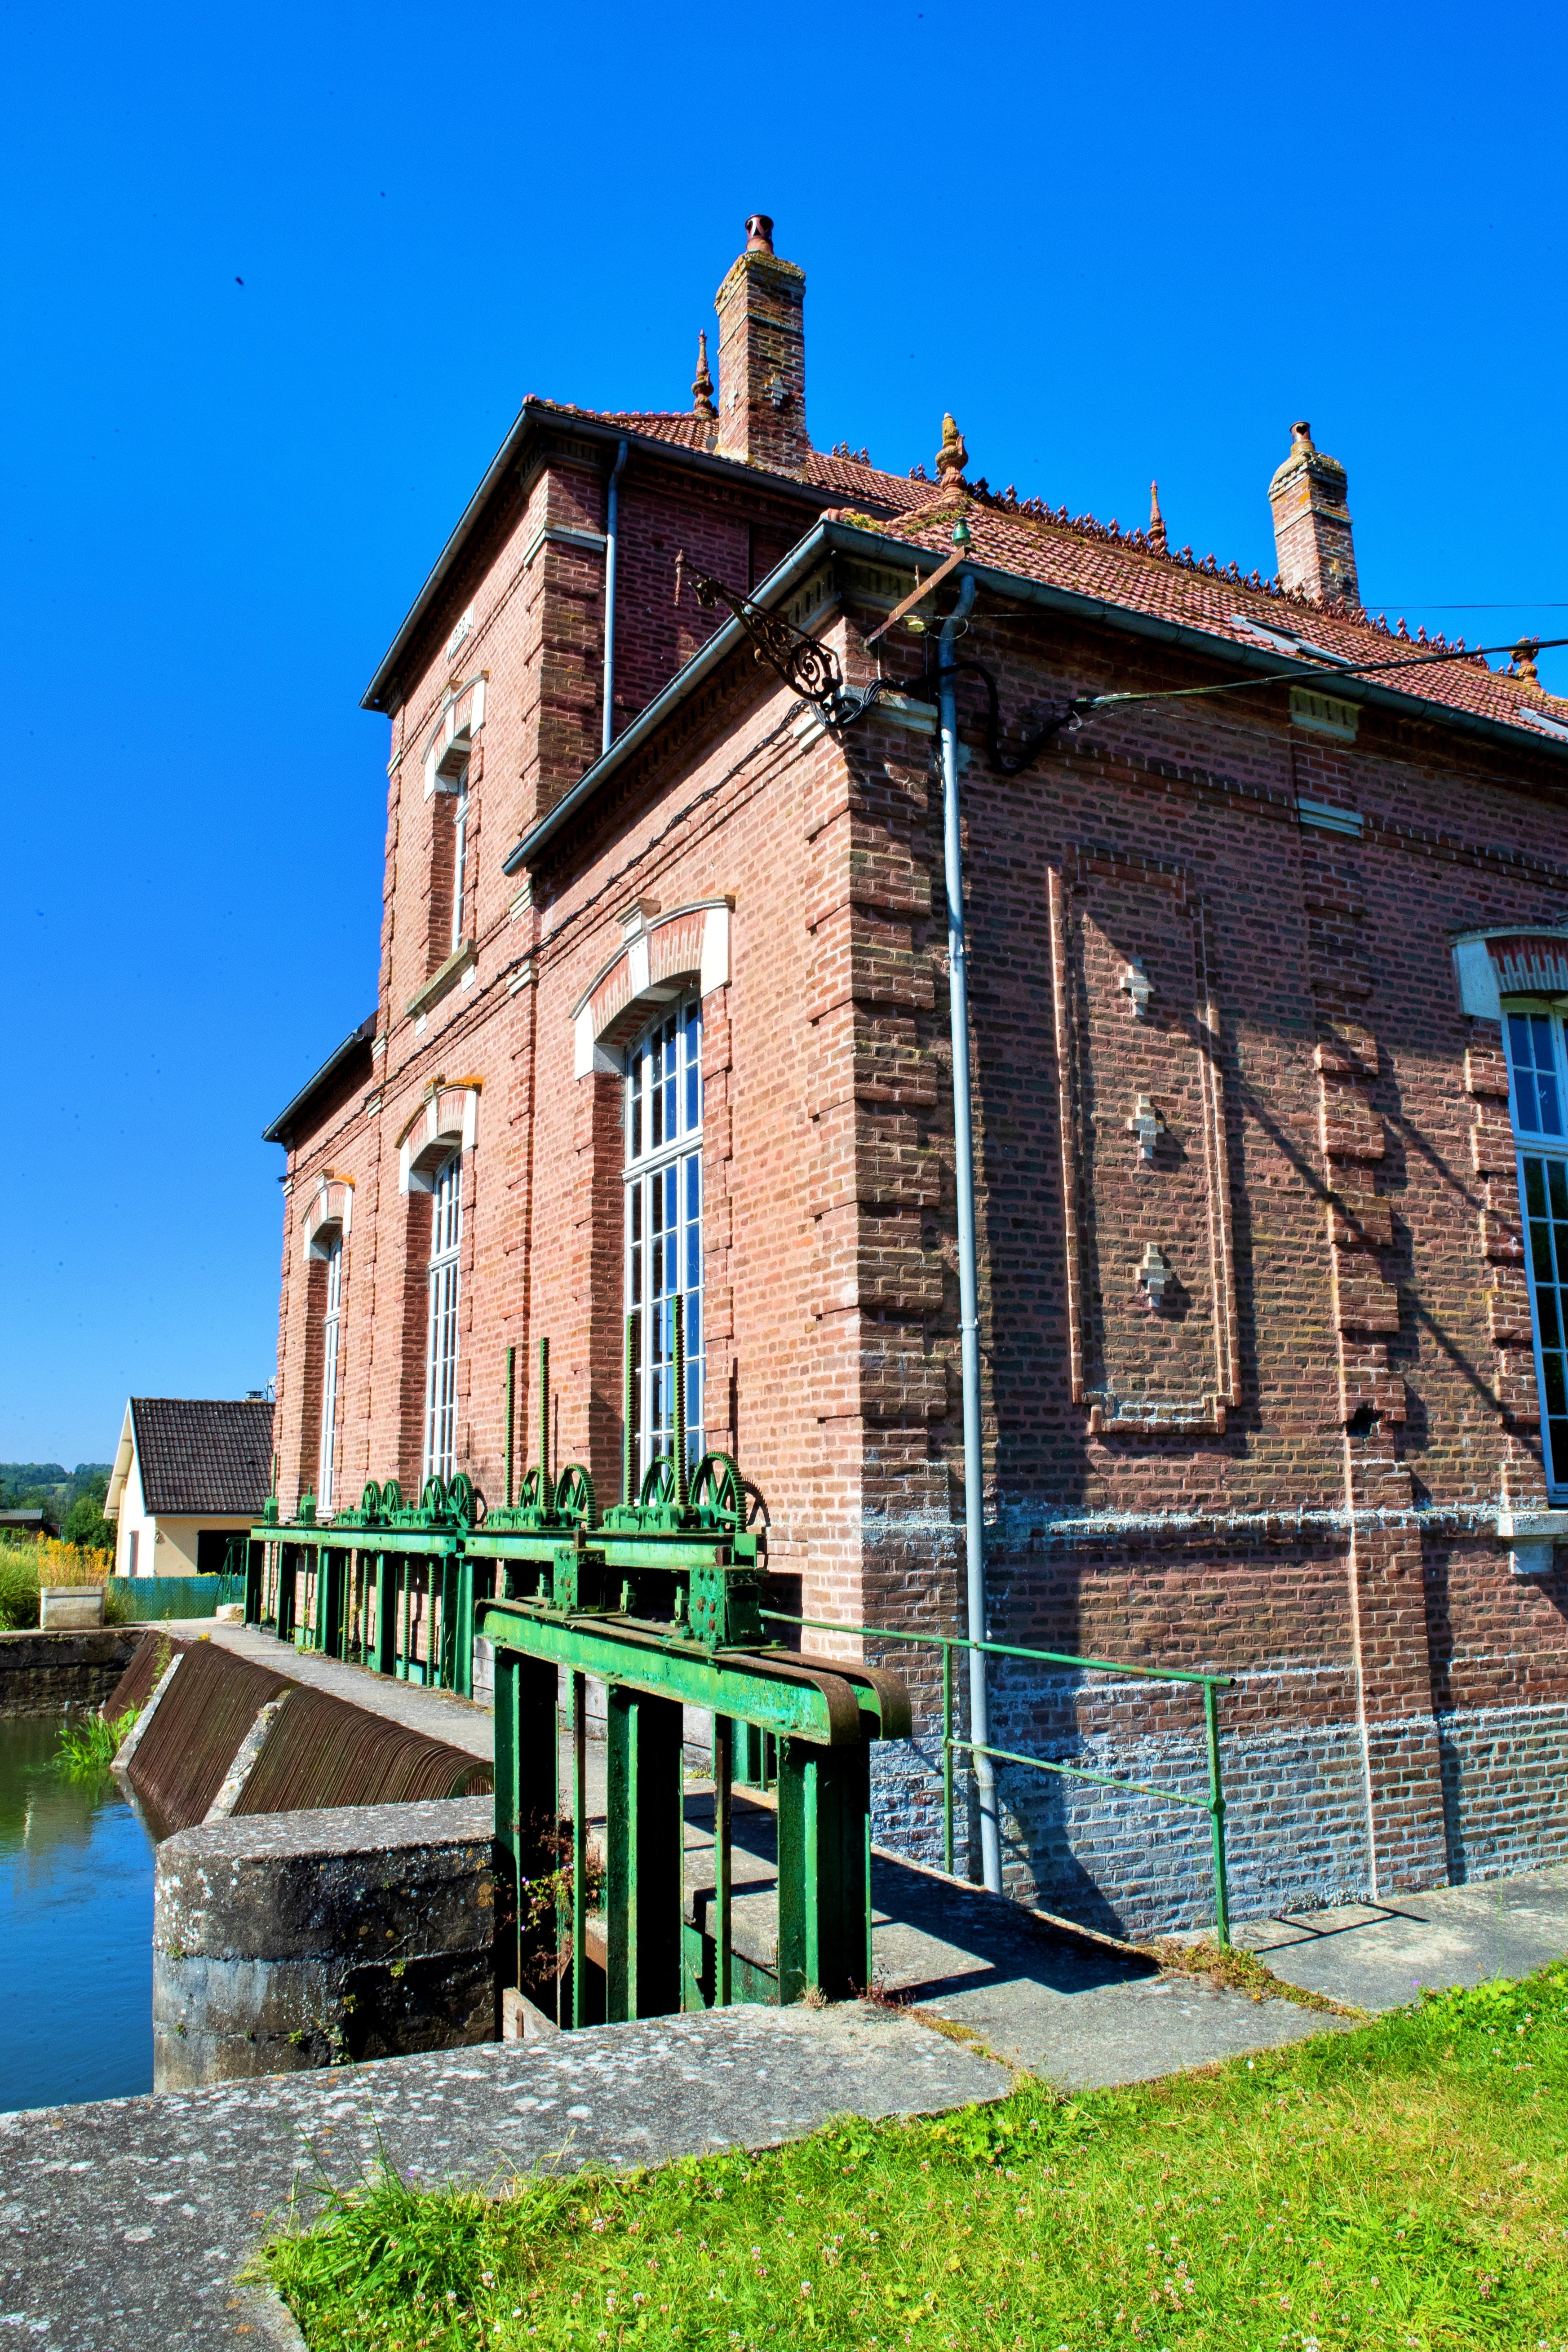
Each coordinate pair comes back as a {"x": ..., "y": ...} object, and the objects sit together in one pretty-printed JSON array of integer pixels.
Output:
[{"x": 759, "y": 234}]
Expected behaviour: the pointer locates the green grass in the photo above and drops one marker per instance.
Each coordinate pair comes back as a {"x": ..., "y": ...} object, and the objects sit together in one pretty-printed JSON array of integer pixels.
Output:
[
  {"x": 89, "y": 1745},
  {"x": 1403, "y": 2185}
]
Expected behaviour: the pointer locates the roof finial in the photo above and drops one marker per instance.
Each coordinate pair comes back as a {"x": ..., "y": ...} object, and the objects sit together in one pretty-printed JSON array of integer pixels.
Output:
[
  {"x": 1156, "y": 520},
  {"x": 703, "y": 384},
  {"x": 953, "y": 457},
  {"x": 1523, "y": 663}
]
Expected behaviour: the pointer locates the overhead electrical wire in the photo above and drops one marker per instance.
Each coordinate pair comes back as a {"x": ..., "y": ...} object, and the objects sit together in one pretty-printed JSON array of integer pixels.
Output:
[{"x": 1298, "y": 677}]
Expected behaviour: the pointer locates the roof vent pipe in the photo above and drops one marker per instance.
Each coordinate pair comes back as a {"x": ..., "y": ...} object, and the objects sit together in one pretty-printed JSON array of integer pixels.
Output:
[
  {"x": 968, "y": 1282},
  {"x": 610, "y": 517}
]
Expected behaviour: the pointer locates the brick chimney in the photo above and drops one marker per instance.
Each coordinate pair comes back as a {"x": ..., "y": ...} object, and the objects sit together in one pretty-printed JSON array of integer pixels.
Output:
[
  {"x": 1312, "y": 541},
  {"x": 762, "y": 356}
]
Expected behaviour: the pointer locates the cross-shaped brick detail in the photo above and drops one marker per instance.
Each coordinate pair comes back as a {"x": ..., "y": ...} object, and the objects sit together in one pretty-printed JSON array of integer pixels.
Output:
[
  {"x": 1137, "y": 984},
  {"x": 1147, "y": 1126},
  {"x": 1154, "y": 1274}
]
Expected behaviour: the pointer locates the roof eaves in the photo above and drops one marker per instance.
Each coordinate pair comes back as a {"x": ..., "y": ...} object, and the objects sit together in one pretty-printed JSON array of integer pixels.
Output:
[
  {"x": 852, "y": 539},
  {"x": 1023, "y": 589},
  {"x": 278, "y": 1131}
]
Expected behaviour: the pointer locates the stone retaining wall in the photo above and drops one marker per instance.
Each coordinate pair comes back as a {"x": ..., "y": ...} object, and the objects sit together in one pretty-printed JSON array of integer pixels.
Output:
[
  {"x": 43, "y": 1674},
  {"x": 283, "y": 1941}
]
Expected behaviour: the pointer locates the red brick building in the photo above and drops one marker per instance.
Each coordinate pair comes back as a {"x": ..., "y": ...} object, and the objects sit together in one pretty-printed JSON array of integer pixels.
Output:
[{"x": 1265, "y": 1327}]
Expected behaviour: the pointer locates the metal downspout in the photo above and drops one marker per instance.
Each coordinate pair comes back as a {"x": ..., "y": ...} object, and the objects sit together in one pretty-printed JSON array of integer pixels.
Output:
[
  {"x": 610, "y": 599},
  {"x": 968, "y": 1282}
]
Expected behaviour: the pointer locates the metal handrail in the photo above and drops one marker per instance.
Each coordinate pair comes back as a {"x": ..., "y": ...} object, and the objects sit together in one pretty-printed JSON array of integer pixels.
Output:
[{"x": 1210, "y": 1686}]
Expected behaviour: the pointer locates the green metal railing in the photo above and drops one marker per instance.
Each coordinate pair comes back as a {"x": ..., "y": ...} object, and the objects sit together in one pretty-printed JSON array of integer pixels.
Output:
[{"x": 951, "y": 1745}]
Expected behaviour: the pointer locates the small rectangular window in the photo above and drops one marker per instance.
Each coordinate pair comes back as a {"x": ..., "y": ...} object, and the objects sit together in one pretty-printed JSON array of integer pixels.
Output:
[{"x": 135, "y": 1548}]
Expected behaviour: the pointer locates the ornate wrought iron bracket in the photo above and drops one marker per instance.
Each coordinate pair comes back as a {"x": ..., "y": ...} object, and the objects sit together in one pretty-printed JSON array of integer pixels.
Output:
[{"x": 806, "y": 666}]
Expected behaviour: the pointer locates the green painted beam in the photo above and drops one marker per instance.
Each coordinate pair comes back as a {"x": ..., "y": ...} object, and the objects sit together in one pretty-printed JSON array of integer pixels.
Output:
[
  {"x": 435, "y": 1543},
  {"x": 783, "y": 1697}
]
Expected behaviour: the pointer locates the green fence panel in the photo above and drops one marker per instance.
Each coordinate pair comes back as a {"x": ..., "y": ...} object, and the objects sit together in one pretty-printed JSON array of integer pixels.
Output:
[{"x": 148, "y": 1598}]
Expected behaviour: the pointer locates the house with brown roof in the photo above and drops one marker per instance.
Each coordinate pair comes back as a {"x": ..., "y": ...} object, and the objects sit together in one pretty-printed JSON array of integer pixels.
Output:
[
  {"x": 189, "y": 1472},
  {"x": 1078, "y": 1027}
]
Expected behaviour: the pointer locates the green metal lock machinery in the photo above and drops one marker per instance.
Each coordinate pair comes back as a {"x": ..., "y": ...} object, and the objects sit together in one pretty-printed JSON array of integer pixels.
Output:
[
  {"x": 661, "y": 1601},
  {"x": 658, "y": 1599}
]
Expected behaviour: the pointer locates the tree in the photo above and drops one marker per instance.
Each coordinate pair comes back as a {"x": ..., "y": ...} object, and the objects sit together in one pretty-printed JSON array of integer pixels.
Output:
[{"x": 86, "y": 1526}]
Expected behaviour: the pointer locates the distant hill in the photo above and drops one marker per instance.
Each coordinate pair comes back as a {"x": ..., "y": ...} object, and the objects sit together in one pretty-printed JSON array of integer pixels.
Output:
[{"x": 49, "y": 1485}]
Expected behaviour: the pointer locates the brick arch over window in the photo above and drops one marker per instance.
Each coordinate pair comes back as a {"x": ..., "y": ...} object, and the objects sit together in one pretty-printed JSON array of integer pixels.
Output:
[
  {"x": 447, "y": 1120},
  {"x": 660, "y": 955},
  {"x": 462, "y": 714},
  {"x": 1517, "y": 960},
  {"x": 328, "y": 1214}
]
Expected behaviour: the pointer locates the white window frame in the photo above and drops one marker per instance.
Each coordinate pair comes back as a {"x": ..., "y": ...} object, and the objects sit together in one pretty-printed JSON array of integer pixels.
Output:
[
  {"x": 1534, "y": 1110},
  {"x": 330, "y": 1323},
  {"x": 441, "y": 1319},
  {"x": 663, "y": 1175}
]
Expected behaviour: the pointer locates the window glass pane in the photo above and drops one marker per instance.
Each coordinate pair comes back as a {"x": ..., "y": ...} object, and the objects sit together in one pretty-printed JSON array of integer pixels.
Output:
[{"x": 1540, "y": 1249}]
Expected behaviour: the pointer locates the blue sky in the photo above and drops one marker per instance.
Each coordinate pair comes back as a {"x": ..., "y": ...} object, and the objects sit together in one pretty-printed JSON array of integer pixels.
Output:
[{"x": 1118, "y": 244}]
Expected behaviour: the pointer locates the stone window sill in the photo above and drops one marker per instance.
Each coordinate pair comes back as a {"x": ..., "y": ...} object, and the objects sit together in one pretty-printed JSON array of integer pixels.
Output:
[
  {"x": 460, "y": 960},
  {"x": 1530, "y": 1536}
]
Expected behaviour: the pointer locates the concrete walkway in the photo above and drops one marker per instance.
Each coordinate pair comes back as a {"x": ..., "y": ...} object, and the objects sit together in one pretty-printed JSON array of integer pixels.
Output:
[
  {"x": 1077, "y": 2009},
  {"x": 125, "y": 2221},
  {"x": 1377, "y": 1955}
]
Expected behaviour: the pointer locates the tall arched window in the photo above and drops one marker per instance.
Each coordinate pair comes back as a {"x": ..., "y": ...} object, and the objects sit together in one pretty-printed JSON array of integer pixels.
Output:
[
  {"x": 441, "y": 1345},
  {"x": 664, "y": 1224},
  {"x": 330, "y": 1373}
]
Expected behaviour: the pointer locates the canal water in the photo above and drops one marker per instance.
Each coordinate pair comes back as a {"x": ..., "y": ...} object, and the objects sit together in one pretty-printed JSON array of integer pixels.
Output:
[{"x": 76, "y": 1929}]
